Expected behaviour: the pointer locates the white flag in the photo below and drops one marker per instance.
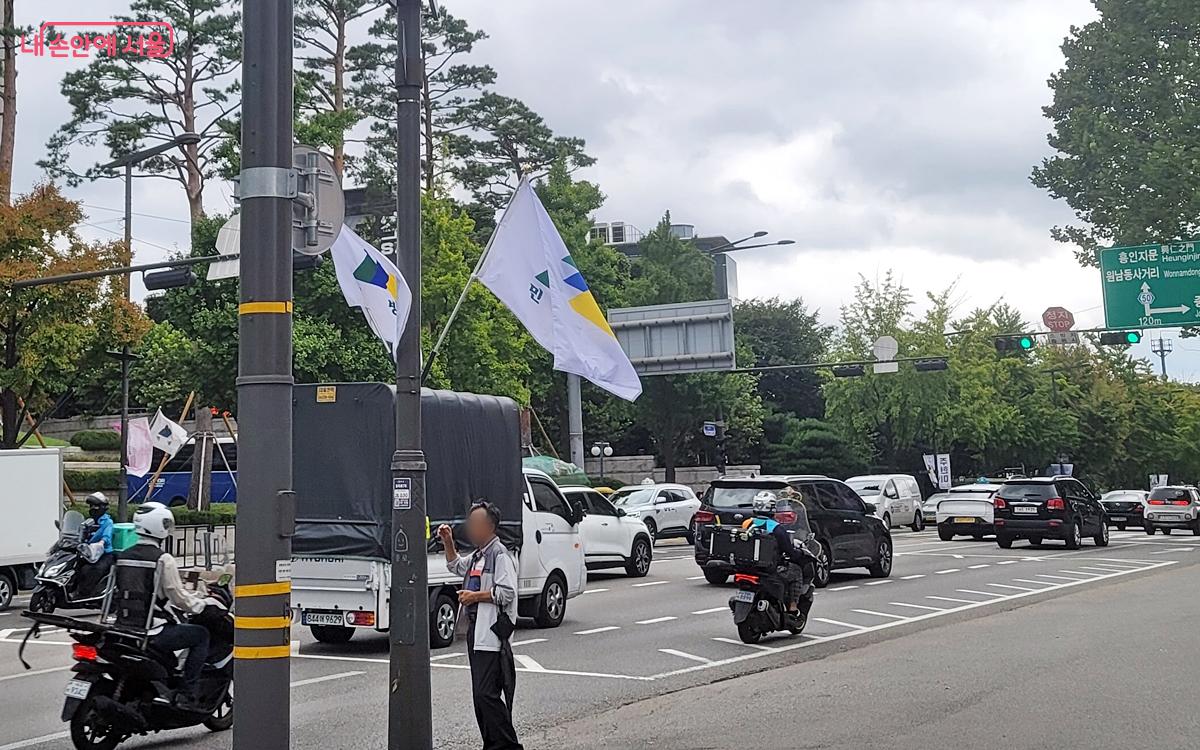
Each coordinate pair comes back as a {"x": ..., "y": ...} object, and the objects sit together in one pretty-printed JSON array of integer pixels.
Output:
[
  {"x": 530, "y": 269},
  {"x": 139, "y": 448},
  {"x": 168, "y": 436},
  {"x": 370, "y": 282}
]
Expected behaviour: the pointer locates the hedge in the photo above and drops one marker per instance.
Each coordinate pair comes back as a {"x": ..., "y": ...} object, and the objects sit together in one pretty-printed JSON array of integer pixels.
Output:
[
  {"x": 217, "y": 514},
  {"x": 97, "y": 440},
  {"x": 89, "y": 480}
]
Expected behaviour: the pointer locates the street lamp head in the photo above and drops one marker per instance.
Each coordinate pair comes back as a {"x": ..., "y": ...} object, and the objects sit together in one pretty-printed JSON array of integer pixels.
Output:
[
  {"x": 186, "y": 139},
  {"x": 608, "y": 451},
  {"x": 595, "y": 450},
  {"x": 760, "y": 233},
  {"x": 786, "y": 242}
]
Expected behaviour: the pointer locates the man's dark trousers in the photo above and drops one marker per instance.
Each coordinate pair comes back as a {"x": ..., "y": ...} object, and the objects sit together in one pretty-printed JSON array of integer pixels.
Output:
[{"x": 493, "y": 684}]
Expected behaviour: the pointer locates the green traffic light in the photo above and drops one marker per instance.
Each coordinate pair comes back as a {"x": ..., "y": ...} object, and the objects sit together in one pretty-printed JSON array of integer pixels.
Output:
[
  {"x": 1026, "y": 342},
  {"x": 1132, "y": 337}
]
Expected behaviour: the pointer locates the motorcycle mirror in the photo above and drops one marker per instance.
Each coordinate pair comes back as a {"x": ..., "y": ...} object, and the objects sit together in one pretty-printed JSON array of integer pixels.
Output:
[{"x": 58, "y": 524}]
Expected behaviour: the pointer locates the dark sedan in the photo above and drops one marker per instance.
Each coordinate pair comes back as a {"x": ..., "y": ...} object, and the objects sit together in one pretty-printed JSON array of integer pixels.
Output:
[{"x": 1125, "y": 508}]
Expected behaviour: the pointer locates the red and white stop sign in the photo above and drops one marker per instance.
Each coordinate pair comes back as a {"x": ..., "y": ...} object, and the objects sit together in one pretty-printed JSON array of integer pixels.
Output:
[{"x": 1058, "y": 319}]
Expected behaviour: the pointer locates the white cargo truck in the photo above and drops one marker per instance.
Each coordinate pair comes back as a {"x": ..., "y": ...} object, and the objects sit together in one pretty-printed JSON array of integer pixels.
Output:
[
  {"x": 343, "y": 439},
  {"x": 31, "y": 483}
]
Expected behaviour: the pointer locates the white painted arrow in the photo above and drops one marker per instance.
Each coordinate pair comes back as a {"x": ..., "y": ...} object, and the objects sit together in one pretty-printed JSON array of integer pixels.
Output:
[{"x": 1147, "y": 299}]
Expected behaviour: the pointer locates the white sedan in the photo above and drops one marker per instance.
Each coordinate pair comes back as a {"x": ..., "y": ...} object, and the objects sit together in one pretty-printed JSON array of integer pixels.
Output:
[
  {"x": 611, "y": 537},
  {"x": 668, "y": 510}
]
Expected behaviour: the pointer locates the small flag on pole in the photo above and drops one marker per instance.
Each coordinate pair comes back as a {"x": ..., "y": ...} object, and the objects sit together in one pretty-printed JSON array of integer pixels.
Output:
[
  {"x": 372, "y": 283},
  {"x": 167, "y": 435},
  {"x": 530, "y": 269}
]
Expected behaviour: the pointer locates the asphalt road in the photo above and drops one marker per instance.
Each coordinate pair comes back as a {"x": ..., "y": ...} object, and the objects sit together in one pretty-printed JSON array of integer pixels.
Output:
[{"x": 627, "y": 640}]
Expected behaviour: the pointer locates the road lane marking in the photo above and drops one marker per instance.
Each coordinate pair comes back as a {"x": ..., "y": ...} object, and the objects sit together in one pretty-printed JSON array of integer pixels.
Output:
[
  {"x": 1035, "y": 583},
  {"x": 967, "y": 605},
  {"x": 952, "y": 599},
  {"x": 980, "y": 593},
  {"x": 1062, "y": 578},
  {"x": 35, "y": 741},
  {"x": 528, "y": 663},
  {"x": 879, "y": 582},
  {"x": 747, "y": 645},
  {"x": 710, "y": 611},
  {"x": 593, "y": 631},
  {"x": 958, "y": 557},
  {"x": 441, "y": 657},
  {"x": 33, "y": 672},
  {"x": 917, "y": 606},
  {"x": 527, "y": 642},
  {"x": 1008, "y": 562},
  {"x": 1093, "y": 567},
  {"x": 879, "y": 614},
  {"x": 977, "y": 567},
  {"x": 326, "y": 678},
  {"x": 844, "y": 588},
  {"x": 655, "y": 620},
  {"x": 685, "y": 655},
  {"x": 649, "y": 583},
  {"x": 1079, "y": 573},
  {"x": 944, "y": 572},
  {"x": 594, "y": 591},
  {"x": 1014, "y": 588},
  {"x": 839, "y": 624},
  {"x": 913, "y": 577},
  {"x": 695, "y": 578},
  {"x": 1114, "y": 566}
]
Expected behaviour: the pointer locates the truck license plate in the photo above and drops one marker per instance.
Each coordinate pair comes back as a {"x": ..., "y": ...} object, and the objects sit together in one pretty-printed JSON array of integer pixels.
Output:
[
  {"x": 323, "y": 618},
  {"x": 744, "y": 596},
  {"x": 77, "y": 689},
  {"x": 1028, "y": 510}
]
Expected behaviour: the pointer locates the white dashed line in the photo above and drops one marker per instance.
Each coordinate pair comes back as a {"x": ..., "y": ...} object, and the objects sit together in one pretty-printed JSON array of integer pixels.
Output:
[
  {"x": 696, "y": 578},
  {"x": 649, "y": 583},
  {"x": 528, "y": 663},
  {"x": 952, "y": 599},
  {"x": 977, "y": 567},
  {"x": 1061, "y": 578},
  {"x": 1035, "y": 583},
  {"x": 594, "y": 591},
  {"x": 1006, "y": 586},
  {"x": 980, "y": 593},
  {"x": 916, "y": 606},
  {"x": 879, "y": 582},
  {"x": 913, "y": 577},
  {"x": 843, "y": 588},
  {"x": 710, "y": 611},
  {"x": 655, "y": 620},
  {"x": 594, "y": 631},
  {"x": 879, "y": 614},
  {"x": 839, "y": 624},
  {"x": 685, "y": 655},
  {"x": 527, "y": 642},
  {"x": 747, "y": 645},
  {"x": 1079, "y": 573},
  {"x": 944, "y": 572},
  {"x": 35, "y": 741},
  {"x": 1008, "y": 562},
  {"x": 326, "y": 678}
]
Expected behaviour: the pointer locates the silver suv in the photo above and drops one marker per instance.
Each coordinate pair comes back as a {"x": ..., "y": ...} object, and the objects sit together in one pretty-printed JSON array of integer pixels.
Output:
[{"x": 1175, "y": 507}]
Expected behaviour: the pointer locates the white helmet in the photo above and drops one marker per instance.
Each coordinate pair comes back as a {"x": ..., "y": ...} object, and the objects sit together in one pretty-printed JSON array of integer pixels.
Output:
[
  {"x": 154, "y": 520},
  {"x": 765, "y": 503}
]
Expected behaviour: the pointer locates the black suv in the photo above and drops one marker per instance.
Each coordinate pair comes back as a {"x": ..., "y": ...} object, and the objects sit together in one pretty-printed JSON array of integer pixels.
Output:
[
  {"x": 1049, "y": 508},
  {"x": 846, "y": 533}
]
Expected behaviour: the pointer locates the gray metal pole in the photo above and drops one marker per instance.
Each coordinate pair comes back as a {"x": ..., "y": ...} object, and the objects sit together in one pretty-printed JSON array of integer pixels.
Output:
[
  {"x": 128, "y": 222},
  {"x": 123, "y": 477},
  {"x": 265, "y": 509},
  {"x": 410, "y": 719},
  {"x": 575, "y": 418}
]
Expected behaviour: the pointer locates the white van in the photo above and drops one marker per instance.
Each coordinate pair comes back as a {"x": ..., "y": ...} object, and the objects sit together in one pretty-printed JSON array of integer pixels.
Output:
[
  {"x": 336, "y": 595},
  {"x": 897, "y": 498}
]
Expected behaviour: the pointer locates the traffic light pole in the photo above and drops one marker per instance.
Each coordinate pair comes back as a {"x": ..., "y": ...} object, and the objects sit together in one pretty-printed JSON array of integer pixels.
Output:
[
  {"x": 266, "y": 516},
  {"x": 410, "y": 720}
]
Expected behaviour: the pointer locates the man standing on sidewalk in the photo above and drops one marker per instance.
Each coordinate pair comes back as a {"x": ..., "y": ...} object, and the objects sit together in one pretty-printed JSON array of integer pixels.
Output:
[{"x": 489, "y": 596}]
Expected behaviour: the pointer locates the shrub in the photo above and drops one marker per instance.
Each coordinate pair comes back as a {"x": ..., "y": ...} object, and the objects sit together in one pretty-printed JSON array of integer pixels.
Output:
[
  {"x": 217, "y": 514},
  {"x": 97, "y": 440},
  {"x": 89, "y": 480}
]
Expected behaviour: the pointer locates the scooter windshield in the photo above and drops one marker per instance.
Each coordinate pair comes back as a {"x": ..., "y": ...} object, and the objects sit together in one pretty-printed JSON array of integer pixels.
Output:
[{"x": 72, "y": 526}]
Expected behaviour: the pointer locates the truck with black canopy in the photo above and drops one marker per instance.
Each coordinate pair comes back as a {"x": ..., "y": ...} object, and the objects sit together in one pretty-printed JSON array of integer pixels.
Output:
[{"x": 344, "y": 435}]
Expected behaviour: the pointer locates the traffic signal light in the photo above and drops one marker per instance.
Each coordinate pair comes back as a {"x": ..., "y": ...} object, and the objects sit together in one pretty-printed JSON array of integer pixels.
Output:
[
  {"x": 929, "y": 365},
  {"x": 848, "y": 371},
  {"x": 171, "y": 278},
  {"x": 1120, "y": 338},
  {"x": 1021, "y": 343}
]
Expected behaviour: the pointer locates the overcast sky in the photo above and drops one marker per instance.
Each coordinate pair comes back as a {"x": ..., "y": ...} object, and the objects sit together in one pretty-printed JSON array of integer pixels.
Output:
[{"x": 877, "y": 134}]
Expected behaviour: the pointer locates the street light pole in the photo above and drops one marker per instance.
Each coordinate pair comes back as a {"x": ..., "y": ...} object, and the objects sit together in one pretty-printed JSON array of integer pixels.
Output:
[
  {"x": 410, "y": 711},
  {"x": 720, "y": 264}
]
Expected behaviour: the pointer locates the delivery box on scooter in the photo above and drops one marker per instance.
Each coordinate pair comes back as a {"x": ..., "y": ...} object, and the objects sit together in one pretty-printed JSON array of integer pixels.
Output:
[{"x": 743, "y": 548}]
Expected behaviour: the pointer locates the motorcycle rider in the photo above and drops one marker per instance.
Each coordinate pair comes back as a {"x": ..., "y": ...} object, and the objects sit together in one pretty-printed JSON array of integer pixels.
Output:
[
  {"x": 789, "y": 560},
  {"x": 92, "y": 574},
  {"x": 133, "y": 598}
]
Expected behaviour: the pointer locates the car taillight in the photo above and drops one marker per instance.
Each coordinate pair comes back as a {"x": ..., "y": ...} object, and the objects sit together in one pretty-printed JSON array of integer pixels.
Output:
[
  {"x": 83, "y": 652},
  {"x": 365, "y": 619},
  {"x": 744, "y": 578},
  {"x": 786, "y": 517},
  {"x": 999, "y": 504},
  {"x": 1181, "y": 502},
  {"x": 1055, "y": 503},
  {"x": 704, "y": 516},
  {"x": 1157, "y": 502}
]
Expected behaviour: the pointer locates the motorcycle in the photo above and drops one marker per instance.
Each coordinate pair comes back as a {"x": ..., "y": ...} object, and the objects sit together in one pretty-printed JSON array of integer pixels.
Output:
[
  {"x": 60, "y": 582},
  {"x": 759, "y": 607},
  {"x": 123, "y": 686}
]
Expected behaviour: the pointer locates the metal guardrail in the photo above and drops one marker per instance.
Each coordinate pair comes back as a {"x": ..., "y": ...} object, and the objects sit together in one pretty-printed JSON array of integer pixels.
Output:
[{"x": 202, "y": 546}]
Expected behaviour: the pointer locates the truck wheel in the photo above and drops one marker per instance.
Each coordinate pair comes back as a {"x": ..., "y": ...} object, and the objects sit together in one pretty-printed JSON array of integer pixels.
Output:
[
  {"x": 552, "y": 603},
  {"x": 332, "y": 633},
  {"x": 8, "y": 589},
  {"x": 442, "y": 621}
]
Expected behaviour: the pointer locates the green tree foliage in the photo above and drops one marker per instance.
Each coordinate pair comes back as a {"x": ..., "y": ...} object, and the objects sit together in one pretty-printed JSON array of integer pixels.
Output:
[
  {"x": 1127, "y": 126},
  {"x": 128, "y": 102},
  {"x": 52, "y": 335},
  {"x": 781, "y": 332},
  {"x": 809, "y": 446}
]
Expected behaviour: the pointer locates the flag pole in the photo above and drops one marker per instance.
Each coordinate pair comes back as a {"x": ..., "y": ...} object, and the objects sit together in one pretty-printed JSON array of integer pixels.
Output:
[{"x": 466, "y": 288}]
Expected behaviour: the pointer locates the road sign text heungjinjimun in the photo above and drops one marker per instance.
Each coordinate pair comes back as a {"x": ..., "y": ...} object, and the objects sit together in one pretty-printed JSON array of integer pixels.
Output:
[{"x": 1151, "y": 286}]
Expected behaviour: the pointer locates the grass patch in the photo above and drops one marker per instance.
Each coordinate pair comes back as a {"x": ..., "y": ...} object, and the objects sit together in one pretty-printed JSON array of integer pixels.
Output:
[{"x": 50, "y": 442}]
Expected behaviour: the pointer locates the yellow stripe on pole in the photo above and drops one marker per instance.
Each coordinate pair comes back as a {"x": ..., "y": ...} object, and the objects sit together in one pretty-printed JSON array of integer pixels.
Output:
[
  {"x": 262, "y": 652},
  {"x": 261, "y": 623},
  {"x": 277, "y": 308},
  {"x": 263, "y": 589}
]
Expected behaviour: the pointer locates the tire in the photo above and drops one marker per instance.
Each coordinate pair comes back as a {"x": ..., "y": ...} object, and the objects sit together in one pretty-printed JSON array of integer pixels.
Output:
[
  {"x": 335, "y": 634},
  {"x": 87, "y": 735},
  {"x": 798, "y": 628},
  {"x": 442, "y": 620},
  {"x": 1195, "y": 531},
  {"x": 887, "y": 521},
  {"x": 1101, "y": 539},
  {"x": 8, "y": 589},
  {"x": 1120, "y": 527},
  {"x": 1074, "y": 540},
  {"x": 221, "y": 719},
  {"x": 946, "y": 535},
  {"x": 1166, "y": 531},
  {"x": 552, "y": 602},
  {"x": 747, "y": 632},
  {"x": 883, "y": 566},
  {"x": 1004, "y": 542},
  {"x": 977, "y": 537},
  {"x": 1035, "y": 541},
  {"x": 715, "y": 576},
  {"x": 918, "y": 523},
  {"x": 43, "y": 600},
  {"x": 824, "y": 566},
  {"x": 1150, "y": 529},
  {"x": 652, "y": 530},
  {"x": 637, "y": 565}
]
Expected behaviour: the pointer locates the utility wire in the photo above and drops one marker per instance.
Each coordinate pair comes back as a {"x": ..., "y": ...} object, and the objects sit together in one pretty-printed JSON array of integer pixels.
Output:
[{"x": 135, "y": 213}]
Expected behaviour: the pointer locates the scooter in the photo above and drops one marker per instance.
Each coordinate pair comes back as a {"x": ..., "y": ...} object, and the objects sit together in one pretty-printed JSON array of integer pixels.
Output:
[
  {"x": 59, "y": 580},
  {"x": 758, "y": 605},
  {"x": 123, "y": 686}
]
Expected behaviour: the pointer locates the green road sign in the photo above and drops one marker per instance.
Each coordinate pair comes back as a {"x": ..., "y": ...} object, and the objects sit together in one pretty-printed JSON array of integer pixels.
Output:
[{"x": 1151, "y": 286}]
